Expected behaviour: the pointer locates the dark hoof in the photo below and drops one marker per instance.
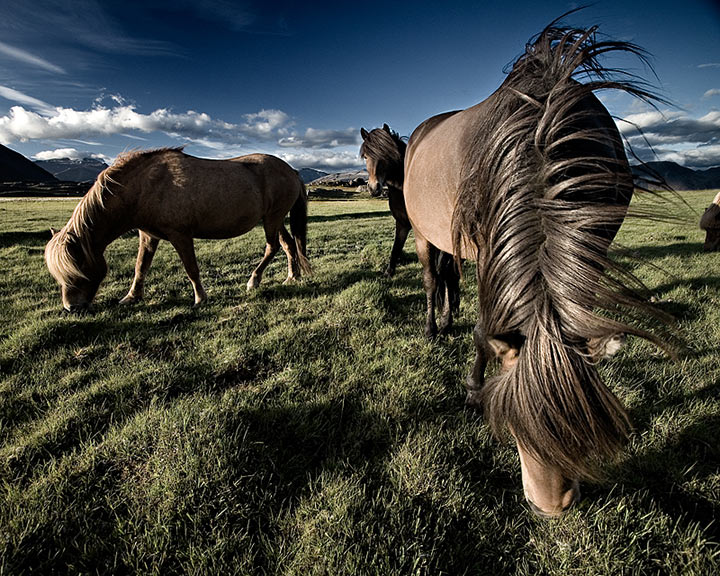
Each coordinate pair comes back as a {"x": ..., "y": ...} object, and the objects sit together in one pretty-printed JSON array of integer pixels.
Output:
[
  {"x": 389, "y": 272},
  {"x": 444, "y": 328},
  {"x": 473, "y": 399}
]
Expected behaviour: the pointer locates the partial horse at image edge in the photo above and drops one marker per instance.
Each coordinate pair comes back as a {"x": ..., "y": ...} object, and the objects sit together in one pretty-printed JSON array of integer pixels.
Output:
[
  {"x": 710, "y": 223},
  {"x": 534, "y": 184},
  {"x": 167, "y": 194}
]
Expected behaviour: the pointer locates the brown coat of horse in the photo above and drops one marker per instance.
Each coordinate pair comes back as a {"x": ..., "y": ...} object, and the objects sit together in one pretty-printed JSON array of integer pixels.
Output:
[
  {"x": 168, "y": 195},
  {"x": 533, "y": 183}
]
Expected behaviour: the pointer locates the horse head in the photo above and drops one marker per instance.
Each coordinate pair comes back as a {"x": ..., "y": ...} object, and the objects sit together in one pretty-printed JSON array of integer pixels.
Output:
[
  {"x": 383, "y": 152},
  {"x": 550, "y": 488},
  {"x": 77, "y": 269}
]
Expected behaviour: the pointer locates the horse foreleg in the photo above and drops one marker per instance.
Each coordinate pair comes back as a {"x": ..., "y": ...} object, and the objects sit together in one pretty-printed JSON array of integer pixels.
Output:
[
  {"x": 146, "y": 251},
  {"x": 271, "y": 248},
  {"x": 476, "y": 378},
  {"x": 186, "y": 250},
  {"x": 401, "y": 233},
  {"x": 288, "y": 245}
]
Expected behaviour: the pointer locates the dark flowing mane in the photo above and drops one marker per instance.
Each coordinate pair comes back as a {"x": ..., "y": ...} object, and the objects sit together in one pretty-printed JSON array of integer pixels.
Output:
[
  {"x": 386, "y": 145},
  {"x": 546, "y": 187}
]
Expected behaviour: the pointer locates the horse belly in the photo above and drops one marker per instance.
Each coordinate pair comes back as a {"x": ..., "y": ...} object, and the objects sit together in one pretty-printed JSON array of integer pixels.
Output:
[{"x": 430, "y": 189}]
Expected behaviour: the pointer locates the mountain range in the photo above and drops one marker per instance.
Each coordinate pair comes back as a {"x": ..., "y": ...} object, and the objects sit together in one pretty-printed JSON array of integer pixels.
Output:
[
  {"x": 68, "y": 169},
  {"x": 16, "y": 168},
  {"x": 678, "y": 177}
]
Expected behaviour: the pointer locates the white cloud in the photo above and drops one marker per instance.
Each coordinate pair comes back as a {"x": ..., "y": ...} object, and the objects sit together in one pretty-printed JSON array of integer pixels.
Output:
[
  {"x": 710, "y": 65},
  {"x": 266, "y": 123},
  {"x": 315, "y": 138},
  {"x": 28, "y": 58},
  {"x": 67, "y": 123},
  {"x": 674, "y": 136},
  {"x": 326, "y": 160},
  {"x": 71, "y": 153},
  {"x": 712, "y": 92}
]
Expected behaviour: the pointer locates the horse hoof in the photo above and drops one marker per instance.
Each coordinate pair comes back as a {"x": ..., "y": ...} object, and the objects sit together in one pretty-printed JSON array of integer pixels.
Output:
[
  {"x": 389, "y": 272},
  {"x": 199, "y": 304},
  {"x": 129, "y": 300},
  {"x": 291, "y": 280},
  {"x": 473, "y": 400},
  {"x": 252, "y": 284}
]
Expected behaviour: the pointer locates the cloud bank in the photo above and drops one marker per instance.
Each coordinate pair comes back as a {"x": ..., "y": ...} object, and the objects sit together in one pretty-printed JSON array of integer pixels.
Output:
[
  {"x": 33, "y": 119},
  {"x": 674, "y": 136}
]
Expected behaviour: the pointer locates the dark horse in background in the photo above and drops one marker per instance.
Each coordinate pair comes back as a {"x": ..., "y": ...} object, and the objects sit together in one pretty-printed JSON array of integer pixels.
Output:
[
  {"x": 384, "y": 153},
  {"x": 533, "y": 183}
]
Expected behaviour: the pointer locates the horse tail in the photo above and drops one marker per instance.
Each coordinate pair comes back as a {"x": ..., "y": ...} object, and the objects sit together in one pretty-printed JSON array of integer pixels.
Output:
[
  {"x": 546, "y": 185},
  {"x": 298, "y": 228}
]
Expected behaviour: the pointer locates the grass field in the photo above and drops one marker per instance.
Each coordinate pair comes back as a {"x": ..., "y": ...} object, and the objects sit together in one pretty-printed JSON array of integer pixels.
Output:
[{"x": 312, "y": 429}]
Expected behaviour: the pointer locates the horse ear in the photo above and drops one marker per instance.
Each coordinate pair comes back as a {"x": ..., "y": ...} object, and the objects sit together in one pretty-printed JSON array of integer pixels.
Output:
[
  {"x": 386, "y": 128},
  {"x": 53, "y": 232},
  {"x": 505, "y": 350},
  {"x": 364, "y": 133}
]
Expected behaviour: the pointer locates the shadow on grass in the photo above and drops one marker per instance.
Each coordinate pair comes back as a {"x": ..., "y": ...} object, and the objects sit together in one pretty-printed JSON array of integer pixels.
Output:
[
  {"x": 349, "y": 216},
  {"x": 647, "y": 253},
  {"x": 690, "y": 456},
  {"x": 8, "y": 239}
]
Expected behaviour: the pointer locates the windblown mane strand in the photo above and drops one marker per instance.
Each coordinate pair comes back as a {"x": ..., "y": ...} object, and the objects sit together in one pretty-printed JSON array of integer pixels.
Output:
[{"x": 546, "y": 186}]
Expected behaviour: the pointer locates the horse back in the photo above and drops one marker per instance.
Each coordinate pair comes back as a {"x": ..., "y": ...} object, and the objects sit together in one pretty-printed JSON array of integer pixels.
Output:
[{"x": 206, "y": 198}]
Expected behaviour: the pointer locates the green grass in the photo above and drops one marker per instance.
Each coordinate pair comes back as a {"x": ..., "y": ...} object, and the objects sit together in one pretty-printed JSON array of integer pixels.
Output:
[{"x": 312, "y": 429}]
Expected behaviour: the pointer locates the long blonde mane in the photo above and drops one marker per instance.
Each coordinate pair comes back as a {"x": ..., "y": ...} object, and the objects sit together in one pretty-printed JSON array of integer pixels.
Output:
[{"x": 79, "y": 229}]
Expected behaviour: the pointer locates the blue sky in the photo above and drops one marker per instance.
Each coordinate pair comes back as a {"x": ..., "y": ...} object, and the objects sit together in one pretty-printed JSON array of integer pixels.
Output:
[{"x": 298, "y": 79}]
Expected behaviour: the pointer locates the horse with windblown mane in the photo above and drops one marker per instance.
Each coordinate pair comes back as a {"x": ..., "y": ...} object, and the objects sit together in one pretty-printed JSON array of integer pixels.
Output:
[
  {"x": 172, "y": 196},
  {"x": 533, "y": 184}
]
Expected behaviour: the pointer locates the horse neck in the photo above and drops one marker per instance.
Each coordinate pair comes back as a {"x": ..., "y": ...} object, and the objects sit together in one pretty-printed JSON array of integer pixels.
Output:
[
  {"x": 396, "y": 172},
  {"x": 98, "y": 224}
]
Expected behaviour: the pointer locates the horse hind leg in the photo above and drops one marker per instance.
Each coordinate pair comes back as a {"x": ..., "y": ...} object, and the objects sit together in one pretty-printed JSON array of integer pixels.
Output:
[
  {"x": 447, "y": 290},
  {"x": 288, "y": 245},
  {"x": 186, "y": 250},
  {"x": 146, "y": 252},
  {"x": 426, "y": 254},
  {"x": 272, "y": 245}
]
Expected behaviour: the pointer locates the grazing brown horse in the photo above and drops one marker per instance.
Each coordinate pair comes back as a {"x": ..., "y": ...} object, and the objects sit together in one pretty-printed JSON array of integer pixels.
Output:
[
  {"x": 710, "y": 222},
  {"x": 533, "y": 183},
  {"x": 169, "y": 195},
  {"x": 384, "y": 153}
]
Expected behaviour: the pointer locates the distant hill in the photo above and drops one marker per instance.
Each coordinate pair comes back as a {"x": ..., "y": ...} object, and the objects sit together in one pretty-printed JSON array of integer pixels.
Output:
[
  {"x": 679, "y": 177},
  {"x": 307, "y": 175},
  {"x": 14, "y": 167},
  {"x": 85, "y": 170},
  {"x": 355, "y": 178}
]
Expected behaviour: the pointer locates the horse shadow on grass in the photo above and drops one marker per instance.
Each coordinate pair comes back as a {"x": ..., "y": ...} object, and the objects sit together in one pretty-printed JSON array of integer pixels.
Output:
[
  {"x": 349, "y": 216},
  {"x": 648, "y": 253},
  {"x": 8, "y": 239},
  {"x": 689, "y": 456}
]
